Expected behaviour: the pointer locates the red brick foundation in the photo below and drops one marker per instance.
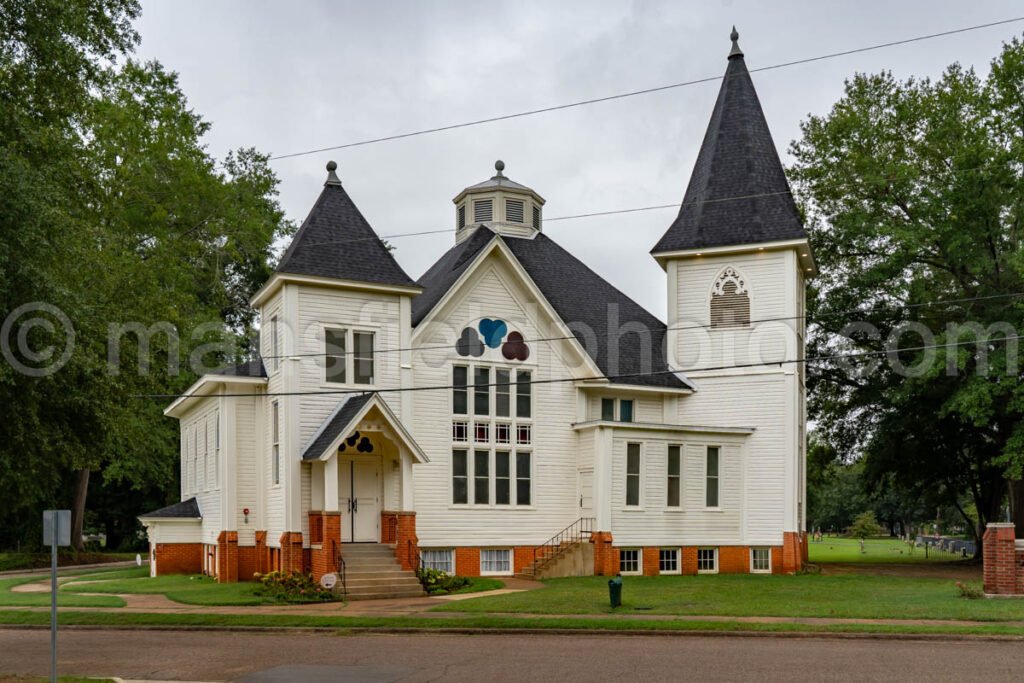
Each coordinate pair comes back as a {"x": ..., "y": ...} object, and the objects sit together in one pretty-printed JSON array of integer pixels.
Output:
[
  {"x": 407, "y": 544},
  {"x": 794, "y": 550},
  {"x": 178, "y": 558},
  {"x": 227, "y": 557},
  {"x": 1004, "y": 563},
  {"x": 606, "y": 557},
  {"x": 292, "y": 556},
  {"x": 786, "y": 559}
]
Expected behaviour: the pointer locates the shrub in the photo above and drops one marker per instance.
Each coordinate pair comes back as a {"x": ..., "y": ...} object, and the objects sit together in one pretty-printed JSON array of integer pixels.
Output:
[
  {"x": 865, "y": 525},
  {"x": 292, "y": 587},
  {"x": 969, "y": 591},
  {"x": 437, "y": 581}
]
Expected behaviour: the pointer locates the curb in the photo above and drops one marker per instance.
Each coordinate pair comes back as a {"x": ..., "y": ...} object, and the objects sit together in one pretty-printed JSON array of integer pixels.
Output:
[{"x": 471, "y": 631}]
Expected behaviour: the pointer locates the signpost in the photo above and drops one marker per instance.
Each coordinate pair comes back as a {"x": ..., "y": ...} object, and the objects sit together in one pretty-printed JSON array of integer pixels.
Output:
[{"x": 56, "y": 532}]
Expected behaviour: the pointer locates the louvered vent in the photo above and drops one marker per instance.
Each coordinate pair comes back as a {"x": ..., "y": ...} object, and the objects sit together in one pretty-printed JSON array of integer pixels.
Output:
[
  {"x": 483, "y": 211},
  {"x": 536, "y": 217},
  {"x": 513, "y": 211},
  {"x": 730, "y": 301},
  {"x": 462, "y": 216}
]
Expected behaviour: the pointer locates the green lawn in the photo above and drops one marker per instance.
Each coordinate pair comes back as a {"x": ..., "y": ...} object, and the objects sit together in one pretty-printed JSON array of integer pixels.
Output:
[
  {"x": 479, "y": 584},
  {"x": 15, "y": 561},
  {"x": 746, "y": 595},
  {"x": 877, "y": 550},
  {"x": 190, "y": 590},
  {"x": 11, "y": 599}
]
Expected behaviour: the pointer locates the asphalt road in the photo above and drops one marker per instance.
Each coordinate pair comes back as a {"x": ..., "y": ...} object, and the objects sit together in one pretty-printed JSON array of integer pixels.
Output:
[{"x": 207, "y": 656}]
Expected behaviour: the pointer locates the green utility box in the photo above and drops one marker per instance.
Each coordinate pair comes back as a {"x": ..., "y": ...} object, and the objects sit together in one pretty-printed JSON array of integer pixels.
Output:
[{"x": 615, "y": 591}]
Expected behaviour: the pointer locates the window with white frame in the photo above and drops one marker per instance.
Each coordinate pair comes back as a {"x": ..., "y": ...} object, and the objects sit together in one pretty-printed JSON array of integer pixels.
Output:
[
  {"x": 496, "y": 561},
  {"x": 617, "y": 409},
  {"x": 712, "y": 477},
  {"x": 632, "y": 474},
  {"x": 275, "y": 352},
  {"x": 441, "y": 560},
  {"x": 668, "y": 561},
  {"x": 707, "y": 560},
  {"x": 674, "y": 477},
  {"x": 216, "y": 449},
  {"x": 497, "y": 471},
  {"x": 348, "y": 356},
  {"x": 275, "y": 457},
  {"x": 629, "y": 561},
  {"x": 195, "y": 458},
  {"x": 761, "y": 560}
]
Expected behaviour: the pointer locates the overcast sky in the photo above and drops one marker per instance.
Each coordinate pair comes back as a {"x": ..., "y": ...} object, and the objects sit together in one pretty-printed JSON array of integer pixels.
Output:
[{"x": 288, "y": 77}]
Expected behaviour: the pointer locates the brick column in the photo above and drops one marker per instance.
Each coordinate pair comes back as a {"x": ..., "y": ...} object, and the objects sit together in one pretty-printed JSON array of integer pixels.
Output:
[
  {"x": 325, "y": 544},
  {"x": 606, "y": 559},
  {"x": 178, "y": 558},
  {"x": 407, "y": 544},
  {"x": 292, "y": 559},
  {"x": 227, "y": 557},
  {"x": 1000, "y": 557},
  {"x": 792, "y": 553},
  {"x": 262, "y": 560},
  {"x": 652, "y": 561}
]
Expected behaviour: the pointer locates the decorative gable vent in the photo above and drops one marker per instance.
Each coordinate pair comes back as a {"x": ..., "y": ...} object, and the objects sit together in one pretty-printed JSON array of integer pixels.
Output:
[
  {"x": 536, "y": 217},
  {"x": 513, "y": 211},
  {"x": 483, "y": 211},
  {"x": 730, "y": 300},
  {"x": 462, "y": 216}
]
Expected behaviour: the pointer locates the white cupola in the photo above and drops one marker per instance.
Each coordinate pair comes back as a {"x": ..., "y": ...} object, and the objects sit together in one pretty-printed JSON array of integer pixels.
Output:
[{"x": 503, "y": 205}]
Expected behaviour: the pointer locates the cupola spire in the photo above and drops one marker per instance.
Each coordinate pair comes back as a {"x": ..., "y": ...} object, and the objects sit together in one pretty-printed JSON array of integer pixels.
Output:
[{"x": 735, "y": 51}]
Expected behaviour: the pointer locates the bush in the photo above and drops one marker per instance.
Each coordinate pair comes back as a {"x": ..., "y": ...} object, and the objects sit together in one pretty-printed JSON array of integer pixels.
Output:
[
  {"x": 865, "y": 525},
  {"x": 292, "y": 587},
  {"x": 437, "y": 581}
]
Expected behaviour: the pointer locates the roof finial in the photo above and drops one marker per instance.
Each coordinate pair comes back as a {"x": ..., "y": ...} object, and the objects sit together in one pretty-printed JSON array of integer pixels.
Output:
[
  {"x": 332, "y": 177},
  {"x": 735, "y": 51},
  {"x": 499, "y": 166}
]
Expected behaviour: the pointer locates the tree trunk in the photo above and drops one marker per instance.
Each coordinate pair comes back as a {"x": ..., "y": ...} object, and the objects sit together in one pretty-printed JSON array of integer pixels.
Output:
[
  {"x": 1016, "y": 490},
  {"x": 78, "y": 508}
]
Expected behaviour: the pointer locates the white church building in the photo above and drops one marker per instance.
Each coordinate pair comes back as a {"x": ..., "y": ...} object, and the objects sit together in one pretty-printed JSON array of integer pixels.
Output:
[{"x": 512, "y": 412}]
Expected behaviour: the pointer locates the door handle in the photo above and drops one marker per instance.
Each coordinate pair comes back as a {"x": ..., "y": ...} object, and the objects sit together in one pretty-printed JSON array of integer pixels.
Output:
[{"x": 355, "y": 505}]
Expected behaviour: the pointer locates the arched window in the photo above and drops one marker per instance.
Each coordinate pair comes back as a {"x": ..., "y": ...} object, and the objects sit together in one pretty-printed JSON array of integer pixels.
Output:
[{"x": 730, "y": 300}]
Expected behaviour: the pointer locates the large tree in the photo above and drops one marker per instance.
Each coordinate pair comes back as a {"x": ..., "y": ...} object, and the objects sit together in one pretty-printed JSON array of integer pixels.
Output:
[
  {"x": 112, "y": 212},
  {"x": 914, "y": 193}
]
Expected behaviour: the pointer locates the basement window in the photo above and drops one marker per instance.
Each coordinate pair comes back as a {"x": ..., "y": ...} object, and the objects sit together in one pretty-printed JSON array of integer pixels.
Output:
[
  {"x": 495, "y": 562},
  {"x": 668, "y": 561},
  {"x": 441, "y": 560},
  {"x": 707, "y": 560},
  {"x": 629, "y": 561},
  {"x": 760, "y": 560}
]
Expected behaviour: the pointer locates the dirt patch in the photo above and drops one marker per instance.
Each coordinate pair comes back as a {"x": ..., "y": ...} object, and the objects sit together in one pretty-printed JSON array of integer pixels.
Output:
[{"x": 957, "y": 571}]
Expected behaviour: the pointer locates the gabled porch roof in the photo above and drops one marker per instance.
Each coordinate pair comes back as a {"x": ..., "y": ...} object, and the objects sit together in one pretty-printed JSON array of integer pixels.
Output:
[{"x": 347, "y": 415}]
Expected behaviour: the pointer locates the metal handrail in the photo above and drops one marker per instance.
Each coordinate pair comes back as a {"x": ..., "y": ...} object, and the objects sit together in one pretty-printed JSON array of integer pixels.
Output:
[
  {"x": 341, "y": 567},
  {"x": 573, "y": 533}
]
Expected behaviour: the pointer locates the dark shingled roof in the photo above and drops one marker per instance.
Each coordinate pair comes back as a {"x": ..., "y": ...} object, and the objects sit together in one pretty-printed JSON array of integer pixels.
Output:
[
  {"x": 335, "y": 241},
  {"x": 338, "y": 423},
  {"x": 736, "y": 159},
  {"x": 185, "y": 509},
  {"x": 580, "y": 297},
  {"x": 250, "y": 368}
]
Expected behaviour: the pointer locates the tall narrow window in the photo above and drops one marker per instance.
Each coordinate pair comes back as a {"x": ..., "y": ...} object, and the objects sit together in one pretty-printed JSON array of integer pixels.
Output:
[
  {"x": 633, "y": 474},
  {"x": 216, "y": 449},
  {"x": 481, "y": 477},
  {"x": 502, "y": 478},
  {"x": 481, "y": 391},
  {"x": 335, "y": 358},
  {"x": 462, "y": 216},
  {"x": 730, "y": 301},
  {"x": 608, "y": 409},
  {"x": 274, "y": 350},
  {"x": 275, "y": 464},
  {"x": 523, "y": 391},
  {"x": 460, "y": 394},
  {"x": 460, "y": 477},
  {"x": 502, "y": 389},
  {"x": 523, "y": 479},
  {"x": 673, "y": 477},
  {"x": 363, "y": 358},
  {"x": 536, "y": 217},
  {"x": 712, "y": 476},
  {"x": 626, "y": 410}
]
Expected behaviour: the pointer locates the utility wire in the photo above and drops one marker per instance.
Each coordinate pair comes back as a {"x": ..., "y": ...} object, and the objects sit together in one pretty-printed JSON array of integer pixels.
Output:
[
  {"x": 561, "y": 380},
  {"x": 645, "y": 91},
  {"x": 698, "y": 326}
]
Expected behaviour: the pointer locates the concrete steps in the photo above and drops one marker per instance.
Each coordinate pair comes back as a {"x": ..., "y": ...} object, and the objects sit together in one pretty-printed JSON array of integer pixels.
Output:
[{"x": 373, "y": 573}]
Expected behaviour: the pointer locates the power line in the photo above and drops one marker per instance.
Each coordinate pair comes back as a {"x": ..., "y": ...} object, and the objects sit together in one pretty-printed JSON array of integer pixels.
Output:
[
  {"x": 561, "y": 380},
  {"x": 699, "y": 326},
  {"x": 645, "y": 91}
]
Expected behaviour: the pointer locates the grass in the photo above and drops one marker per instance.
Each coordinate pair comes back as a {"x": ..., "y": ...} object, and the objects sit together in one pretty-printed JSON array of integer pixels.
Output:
[
  {"x": 190, "y": 590},
  {"x": 12, "y": 599},
  {"x": 842, "y": 596},
  {"x": 877, "y": 550},
  {"x": 127, "y": 619},
  {"x": 479, "y": 585},
  {"x": 41, "y": 560}
]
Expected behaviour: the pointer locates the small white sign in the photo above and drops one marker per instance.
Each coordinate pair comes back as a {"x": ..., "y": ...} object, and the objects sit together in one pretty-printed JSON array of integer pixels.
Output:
[{"x": 329, "y": 581}]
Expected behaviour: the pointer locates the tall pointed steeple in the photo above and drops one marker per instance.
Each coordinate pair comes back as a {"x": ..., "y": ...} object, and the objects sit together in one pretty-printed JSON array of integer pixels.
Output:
[
  {"x": 335, "y": 241},
  {"x": 738, "y": 193}
]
